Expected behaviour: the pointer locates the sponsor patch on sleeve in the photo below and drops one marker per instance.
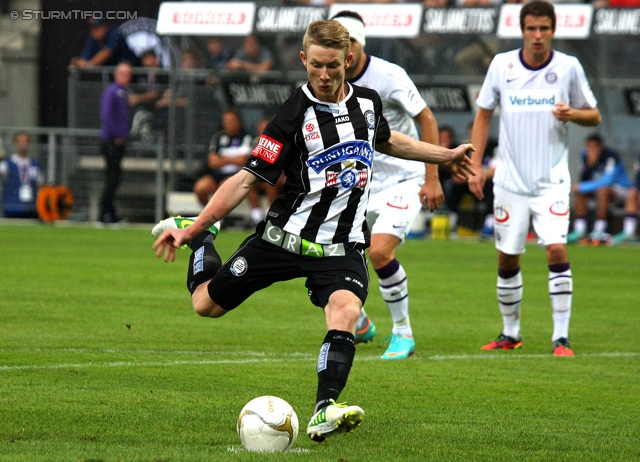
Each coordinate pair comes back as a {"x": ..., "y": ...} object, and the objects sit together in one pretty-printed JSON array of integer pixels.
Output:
[{"x": 268, "y": 149}]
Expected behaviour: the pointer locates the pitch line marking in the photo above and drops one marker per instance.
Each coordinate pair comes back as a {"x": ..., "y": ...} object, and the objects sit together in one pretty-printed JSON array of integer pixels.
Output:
[{"x": 294, "y": 357}]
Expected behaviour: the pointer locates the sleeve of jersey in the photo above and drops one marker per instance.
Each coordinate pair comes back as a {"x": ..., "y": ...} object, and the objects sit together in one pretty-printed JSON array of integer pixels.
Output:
[
  {"x": 581, "y": 95},
  {"x": 383, "y": 133},
  {"x": 489, "y": 95},
  {"x": 268, "y": 156},
  {"x": 406, "y": 93}
]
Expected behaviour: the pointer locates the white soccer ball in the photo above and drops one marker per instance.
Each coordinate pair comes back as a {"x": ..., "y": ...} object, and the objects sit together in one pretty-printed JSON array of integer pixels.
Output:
[{"x": 267, "y": 424}]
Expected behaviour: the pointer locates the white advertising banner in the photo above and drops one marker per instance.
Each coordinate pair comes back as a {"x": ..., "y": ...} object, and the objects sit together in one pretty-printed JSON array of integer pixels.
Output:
[
  {"x": 572, "y": 21},
  {"x": 385, "y": 20},
  {"x": 206, "y": 18}
]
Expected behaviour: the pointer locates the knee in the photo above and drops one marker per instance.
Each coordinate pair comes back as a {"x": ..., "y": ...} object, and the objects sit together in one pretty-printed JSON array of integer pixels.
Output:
[
  {"x": 208, "y": 310},
  {"x": 203, "y": 305},
  {"x": 556, "y": 253},
  {"x": 380, "y": 256}
]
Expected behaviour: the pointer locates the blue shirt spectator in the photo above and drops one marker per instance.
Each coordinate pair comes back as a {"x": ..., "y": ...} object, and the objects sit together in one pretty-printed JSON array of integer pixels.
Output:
[
  {"x": 606, "y": 170},
  {"x": 21, "y": 177},
  {"x": 104, "y": 46}
]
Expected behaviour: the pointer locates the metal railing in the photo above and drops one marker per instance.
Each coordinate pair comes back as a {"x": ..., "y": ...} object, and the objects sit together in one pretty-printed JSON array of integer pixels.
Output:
[{"x": 71, "y": 157}]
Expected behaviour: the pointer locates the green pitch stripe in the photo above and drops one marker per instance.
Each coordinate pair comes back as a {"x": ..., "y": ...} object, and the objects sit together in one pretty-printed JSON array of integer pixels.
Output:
[{"x": 302, "y": 357}]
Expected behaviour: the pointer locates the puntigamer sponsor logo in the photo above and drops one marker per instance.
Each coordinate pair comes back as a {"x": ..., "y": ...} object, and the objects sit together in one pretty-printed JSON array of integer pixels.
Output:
[
  {"x": 530, "y": 100},
  {"x": 350, "y": 150}
]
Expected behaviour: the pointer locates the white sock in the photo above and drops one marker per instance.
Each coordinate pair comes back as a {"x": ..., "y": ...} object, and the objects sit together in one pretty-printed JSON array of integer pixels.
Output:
[
  {"x": 560, "y": 293},
  {"x": 580, "y": 225},
  {"x": 629, "y": 224},
  {"x": 362, "y": 321},
  {"x": 488, "y": 220},
  {"x": 395, "y": 293},
  {"x": 509, "y": 299},
  {"x": 600, "y": 226}
]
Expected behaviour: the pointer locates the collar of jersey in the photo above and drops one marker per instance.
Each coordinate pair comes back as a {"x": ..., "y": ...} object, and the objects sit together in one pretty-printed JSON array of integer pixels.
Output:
[
  {"x": 364, "y": 69},
  {"x": 307, "y": 90},
  {"x": 536, "y": 68}
]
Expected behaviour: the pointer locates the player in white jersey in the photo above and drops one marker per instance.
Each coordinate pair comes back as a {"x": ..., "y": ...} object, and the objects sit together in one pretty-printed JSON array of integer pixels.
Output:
[
  {"x": 399, "y": 188},
  {"x": 539, "y": 91}
]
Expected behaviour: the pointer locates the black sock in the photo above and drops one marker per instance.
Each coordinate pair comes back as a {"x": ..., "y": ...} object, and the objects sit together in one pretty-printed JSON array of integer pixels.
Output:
[
  {"x": 334, "y": 364},
  {"x": 204, "y": 262}
]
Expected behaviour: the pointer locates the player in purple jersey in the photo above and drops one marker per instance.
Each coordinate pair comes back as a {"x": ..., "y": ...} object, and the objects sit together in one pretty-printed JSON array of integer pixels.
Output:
[{"x": 323, "y": 138}]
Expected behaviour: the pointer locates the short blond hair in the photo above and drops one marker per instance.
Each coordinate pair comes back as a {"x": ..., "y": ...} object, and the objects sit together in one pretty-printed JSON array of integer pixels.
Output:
[{"x": 327, "y": 34}]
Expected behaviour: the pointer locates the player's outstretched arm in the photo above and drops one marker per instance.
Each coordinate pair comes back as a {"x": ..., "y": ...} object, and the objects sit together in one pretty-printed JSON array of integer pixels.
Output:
[
  {"x": 455, "y": 160},
  {"x": 231, "y": 193}
]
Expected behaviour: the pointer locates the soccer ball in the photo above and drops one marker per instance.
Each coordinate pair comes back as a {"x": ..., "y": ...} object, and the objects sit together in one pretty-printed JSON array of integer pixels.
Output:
[{"x": 267, "y": 424}]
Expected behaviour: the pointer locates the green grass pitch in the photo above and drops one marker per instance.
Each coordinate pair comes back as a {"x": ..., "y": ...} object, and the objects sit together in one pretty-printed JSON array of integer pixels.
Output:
[{"x": 103, "y": 359}]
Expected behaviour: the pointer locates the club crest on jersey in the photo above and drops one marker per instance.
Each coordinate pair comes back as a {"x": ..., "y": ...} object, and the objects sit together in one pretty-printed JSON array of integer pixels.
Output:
[
  {"x": 347, "y": 178},
  {"x": 370, "y": 118},
  {"x": 356, "y": 150},
  {"x": 267, "y": 149},
  {"x": 559, "y": 208},
  {"x": 501, "y": 214},
  {"x": 326, "y": 109},
  {"x": 239, "y": 266},
  {"x": 551, "y": 77}
]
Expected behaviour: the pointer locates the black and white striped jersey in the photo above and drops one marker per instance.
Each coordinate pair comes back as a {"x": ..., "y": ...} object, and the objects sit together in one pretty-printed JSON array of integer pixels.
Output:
[{"x": 326, "y": 152}]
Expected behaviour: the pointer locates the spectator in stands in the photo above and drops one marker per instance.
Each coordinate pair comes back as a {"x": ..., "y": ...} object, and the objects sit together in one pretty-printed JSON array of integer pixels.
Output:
[
  {"x": 252, "y": 57},
  {"x": 190, "y": 66},
  {"x": 21, "y": 177},
  {"x": 219, "y": 54},
  {"x": 114, "y": 133},
  {"x": 603, "y": 178},
  {"x": 105, "y": 46},
  {"x": 228, "y": 151},
  {"x": 630, "y": 222},
  {"x": 149, "y": 87}
]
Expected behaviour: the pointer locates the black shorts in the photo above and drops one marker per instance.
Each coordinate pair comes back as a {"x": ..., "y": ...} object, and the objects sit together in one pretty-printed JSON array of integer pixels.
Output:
[{"x": 258, "y": 264}]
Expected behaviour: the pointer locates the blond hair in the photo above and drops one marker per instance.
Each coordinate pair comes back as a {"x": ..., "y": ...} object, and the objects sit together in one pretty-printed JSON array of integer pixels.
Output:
[{"x": 327, "y": 34}]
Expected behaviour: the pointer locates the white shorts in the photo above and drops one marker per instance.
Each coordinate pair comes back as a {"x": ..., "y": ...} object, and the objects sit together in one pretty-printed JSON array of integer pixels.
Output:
[
  {"x": 548, "y": 212},
  {"x": 394, "y": 210}
]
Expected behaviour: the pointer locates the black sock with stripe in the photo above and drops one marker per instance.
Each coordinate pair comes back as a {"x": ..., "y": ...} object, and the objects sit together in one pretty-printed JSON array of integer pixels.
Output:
[{"x": 334, "y": 363}]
